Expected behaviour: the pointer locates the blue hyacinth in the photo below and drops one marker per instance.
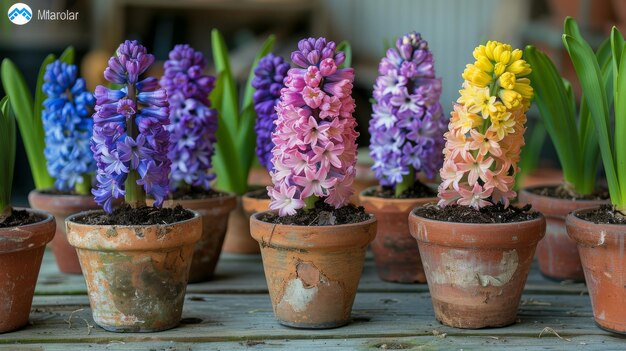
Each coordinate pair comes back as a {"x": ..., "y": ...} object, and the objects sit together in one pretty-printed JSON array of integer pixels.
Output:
[{"x": 68, "y": 126}]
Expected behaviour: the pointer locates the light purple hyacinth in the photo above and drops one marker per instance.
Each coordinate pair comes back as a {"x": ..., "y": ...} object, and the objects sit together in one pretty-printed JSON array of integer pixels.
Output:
[
  {"x": 193, "y": 121},
  {"x": 268, "y": 80},
  {"x": 128, "y": 133},
  {"x": 407, "y": 125}
]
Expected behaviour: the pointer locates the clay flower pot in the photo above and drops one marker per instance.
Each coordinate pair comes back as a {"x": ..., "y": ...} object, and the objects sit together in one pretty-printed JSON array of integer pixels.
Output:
[
  {"x": 363, "y": 179},
  {"x": 397, "y": 256},
  {"x": 21, "y": 252},
  {"x": 601, "y": 248},
  {"x": 214, "y": 212},
  {"x": 136, "y": 275},
  {"x": 312, "y": 272},
  {"x": 476, "y": 272},
  {"x": 62, "y": 206},
  {"x": 557, "y": 253},
  {"x": 252, "y": 204},
  {"x": 238, "y": 239}
]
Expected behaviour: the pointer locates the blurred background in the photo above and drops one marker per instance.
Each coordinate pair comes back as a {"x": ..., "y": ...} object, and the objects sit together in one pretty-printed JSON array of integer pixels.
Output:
[{"x": 452, "y": 27}]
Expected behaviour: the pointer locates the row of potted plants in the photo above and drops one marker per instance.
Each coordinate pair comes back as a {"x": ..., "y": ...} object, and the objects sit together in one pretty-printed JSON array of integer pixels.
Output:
[{"x": 155, "y": 142}]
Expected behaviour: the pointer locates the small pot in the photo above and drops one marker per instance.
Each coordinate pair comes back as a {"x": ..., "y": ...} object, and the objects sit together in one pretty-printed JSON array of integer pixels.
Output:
[
  {"x": 21, "y": 252},
  {"x": 363, "y": 179},
  {"x": 601, "y": 248},
  {"x": 136, "y": 275},
  {"x": 312, "y": 272},
  {"x": 397, "y": 257},
  {"x": 238, "y": 239},
  {"x": 557, "y": 253},
  {"x": 62, "y": 206},
  {"x": 214, "y": 212},
  {"x": 252, "y": 204},
  {"x": 476, "y": 272}
]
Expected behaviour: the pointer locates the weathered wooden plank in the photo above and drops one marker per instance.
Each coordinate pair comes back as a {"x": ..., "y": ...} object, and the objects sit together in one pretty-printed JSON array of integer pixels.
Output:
[
  {"x": 432, "y": 342},
  {"x": 244, "y": 274},
  {"x": 236, "y": 317}
]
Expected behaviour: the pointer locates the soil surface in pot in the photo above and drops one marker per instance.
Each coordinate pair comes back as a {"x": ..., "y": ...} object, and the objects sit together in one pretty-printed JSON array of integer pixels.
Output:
[
  {"x": 323, "y": 214},
  {"x": 488, "y": 214},
  {"x": 606, "y": 214},
  {"x": 260, "y": 194},
  {"x": 126, "y": 215},
  {"x": 20, "y": 218},
  {"x": 59, "y": 192},
  {"x": 196, "y": 193},
  {"x": 560, "y": 192},
  {"x": 418, "y": 190}
]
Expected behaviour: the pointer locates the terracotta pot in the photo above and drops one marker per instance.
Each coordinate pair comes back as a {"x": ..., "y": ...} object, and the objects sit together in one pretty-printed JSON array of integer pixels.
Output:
[
  {"x": 593, "y": 16},
  {"x": 62, "y": 206},
  {"x": 363, "y": 179},
  {"x": 206, "y": 253},
  {"x": 21, "y": 251},
  {"x": 601, "y": 248},
  {"x": 238, "y": 239},
  {"x": 557, "y": 253},
  {"x": 476, "y": 272},
  {"x": 397, "y": 257},
  {"x": 252, "y": 204},
  {"x": 259, "y": 176},
  {"x": 312, "y": 272},
  {"x": 542, "y": 177},
  {"x": 136, "y": 275}
]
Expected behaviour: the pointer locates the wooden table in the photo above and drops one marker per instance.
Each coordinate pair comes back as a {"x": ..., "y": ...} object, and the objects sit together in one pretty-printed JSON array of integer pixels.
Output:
[{"x": 233, "y": 312}]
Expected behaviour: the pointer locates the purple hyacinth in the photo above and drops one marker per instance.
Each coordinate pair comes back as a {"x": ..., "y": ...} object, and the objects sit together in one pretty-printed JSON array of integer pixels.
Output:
[
  {"x": 193, "y": 121},
  {"x": 268, "y": 81},
  {"x": 407, "y": 125},
  {"x": 129, "y": 135}
]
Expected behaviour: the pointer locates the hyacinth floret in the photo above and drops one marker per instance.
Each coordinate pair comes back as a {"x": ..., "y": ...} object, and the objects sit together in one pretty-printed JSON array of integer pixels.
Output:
[
  {"x": 486, "y": 131},
  {"x": 68, "y": 127},
  {"x": 193, "y": 123},
  {"x": 130, "y": 142},
  {"x": 315, "y": 138},
  {"x": 268, "y": 81},
  {"x": 407, "y": 125}
]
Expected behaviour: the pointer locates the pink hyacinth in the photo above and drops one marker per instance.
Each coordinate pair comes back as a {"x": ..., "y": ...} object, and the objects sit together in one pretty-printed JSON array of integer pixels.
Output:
[{"x": 315, "y": 137}]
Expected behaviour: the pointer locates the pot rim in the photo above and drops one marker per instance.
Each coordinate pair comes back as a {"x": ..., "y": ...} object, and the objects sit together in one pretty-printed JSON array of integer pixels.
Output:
[
  {"x": 228, "y": 196},
  {"x": 475, "y": 225},
  {"x": 572, "y": 219},
  {"x": 303, "y": 227},
  {"x": 526, "y": 191},
  {"x": 36, "y": 192},
  {"x": 37, "y": 234},
  {"x": 48, "y": 218},
  {"x": 246, "y": 195},
  {"x": 70, "y": 219},
  {"x": 393, "y": 199}
]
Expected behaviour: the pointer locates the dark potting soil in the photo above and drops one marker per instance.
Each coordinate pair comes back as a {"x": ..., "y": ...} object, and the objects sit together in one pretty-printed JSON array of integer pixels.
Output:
[
  {"x": 488, "y": 214},
  {"x": 605, "y": 214},
  {"x": 196, "y": 193},
  {"x": 418, "y": 190},
  {"x": 561, "y": 192},
  {"x": 20, "y": 218},
  {"x": 260, "y": 194},
  {"x": 323, "y": 214},
  {"x": 59, "y": 192},
  {"x": 126, "y": 215}
]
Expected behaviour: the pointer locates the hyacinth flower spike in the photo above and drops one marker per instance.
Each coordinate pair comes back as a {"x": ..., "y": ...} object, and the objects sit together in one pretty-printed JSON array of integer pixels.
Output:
[
  {"x": 268, "y": 81},
  {"x": 130, "y": 142},
  {"x": 68, "y": 128},
  {"x": 315, "y": 141},
  {"x": 407, "y": 125},
  {"x": 486, "y": 131},
  {"x": 193, "y": 121}
]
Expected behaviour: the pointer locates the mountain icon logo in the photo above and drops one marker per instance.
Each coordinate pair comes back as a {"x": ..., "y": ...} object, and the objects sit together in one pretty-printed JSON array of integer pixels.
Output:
[{"x": 20, "y": 13}]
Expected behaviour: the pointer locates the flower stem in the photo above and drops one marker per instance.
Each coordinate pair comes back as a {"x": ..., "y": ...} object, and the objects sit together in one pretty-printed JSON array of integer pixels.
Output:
[
  {"x": 309, "y": 202},
  {"x": 85, "y": 187},
  {"x": 135, "y": 196},
  {"x": 408, "y": 181}
]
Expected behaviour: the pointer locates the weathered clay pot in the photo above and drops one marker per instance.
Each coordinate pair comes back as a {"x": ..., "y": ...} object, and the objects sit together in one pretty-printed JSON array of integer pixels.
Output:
[
  {"x": 557, "y": 253},
  {"x": 214, "y": 212},
  {"x": 601, "y": 248},
  {"x": 238, "y": 239},
  {"x": 21, "y": 251},
  {"x": 397, "y": 257},
  {"x": 136, "y": 275},
  {"x": 476, "y": 272},
  {"x": 312, "y": 272},
  {"x": 62, "y": 206},
  {"x": 363, "y": 179},
  {"x": 252, "y": 204}
]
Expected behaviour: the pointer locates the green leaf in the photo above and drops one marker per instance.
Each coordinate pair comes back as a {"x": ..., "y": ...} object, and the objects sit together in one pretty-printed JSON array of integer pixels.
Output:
[
  {"x": 532, "y": 151},
  {"x": 7, "y": 153},
  {"x": 347, "y": 49},
  {"x": 67, "y": 55},
  {"x": 227, "y": 105},
  {"x": 620, "y": 121}
]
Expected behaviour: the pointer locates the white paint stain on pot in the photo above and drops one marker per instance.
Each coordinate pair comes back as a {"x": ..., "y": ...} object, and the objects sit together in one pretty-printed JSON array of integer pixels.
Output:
[
  {"x": 298, "y": 296},
  {"x": 460, "y": 267},
  {"x": 508, "y": 266}
]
